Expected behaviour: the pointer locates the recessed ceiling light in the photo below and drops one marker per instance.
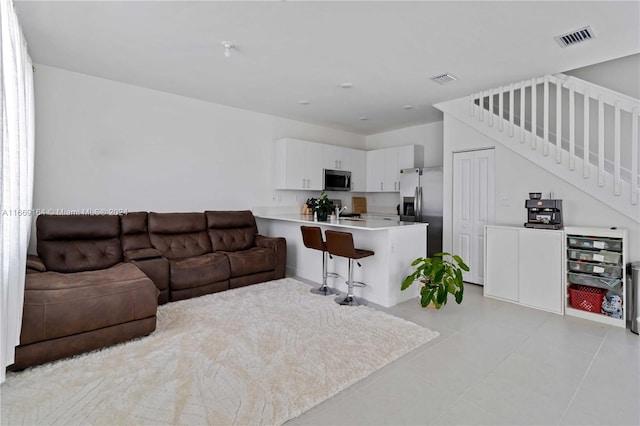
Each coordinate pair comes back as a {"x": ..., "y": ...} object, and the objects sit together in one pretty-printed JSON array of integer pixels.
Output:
[
  {"x": 304, "y": 102},
  {"x": 408, "y": 107},
  {"x": 363, "y": 118},
  {"x": 346, "y": 85}
]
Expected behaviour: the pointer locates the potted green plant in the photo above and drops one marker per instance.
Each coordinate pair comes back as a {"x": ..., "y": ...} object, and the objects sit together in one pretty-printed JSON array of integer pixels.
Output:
[
  {"x": 321, "y": 206},
  {"x": 439, "y": 276}
]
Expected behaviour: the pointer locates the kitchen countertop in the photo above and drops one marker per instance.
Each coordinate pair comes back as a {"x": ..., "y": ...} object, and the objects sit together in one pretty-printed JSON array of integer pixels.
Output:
[{"x": 369, "y": 223}]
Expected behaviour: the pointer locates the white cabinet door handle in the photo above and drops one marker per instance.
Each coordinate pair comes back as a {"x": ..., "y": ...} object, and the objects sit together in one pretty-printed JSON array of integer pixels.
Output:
[
  {"x": 380, "y": 186},
  {"x": 308, "y": 183}
]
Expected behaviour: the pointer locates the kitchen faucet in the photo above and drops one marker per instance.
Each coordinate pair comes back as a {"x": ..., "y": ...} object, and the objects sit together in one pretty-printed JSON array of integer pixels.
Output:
[{"x": 340, "y": 210}]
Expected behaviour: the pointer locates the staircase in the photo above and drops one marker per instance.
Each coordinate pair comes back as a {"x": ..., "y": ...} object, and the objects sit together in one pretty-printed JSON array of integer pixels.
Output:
[{"x": 581, "y": 132}]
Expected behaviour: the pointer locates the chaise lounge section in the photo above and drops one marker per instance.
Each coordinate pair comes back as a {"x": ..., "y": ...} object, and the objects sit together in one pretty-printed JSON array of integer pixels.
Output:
[
  {"x": 97, "y": 280},
  {"x": 79, "y": 294}
]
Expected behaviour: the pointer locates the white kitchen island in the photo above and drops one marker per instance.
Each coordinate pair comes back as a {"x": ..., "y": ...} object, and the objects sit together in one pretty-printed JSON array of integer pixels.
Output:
[{"x": 396, "y": 244}]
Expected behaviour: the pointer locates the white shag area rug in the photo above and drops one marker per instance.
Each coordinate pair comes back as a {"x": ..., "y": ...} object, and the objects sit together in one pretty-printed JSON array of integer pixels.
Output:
[{"x": 261, "y": 354}]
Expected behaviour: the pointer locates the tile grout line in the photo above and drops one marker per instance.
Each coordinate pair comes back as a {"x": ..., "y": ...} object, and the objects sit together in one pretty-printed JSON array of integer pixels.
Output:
[{"x": 584, "y": 376}]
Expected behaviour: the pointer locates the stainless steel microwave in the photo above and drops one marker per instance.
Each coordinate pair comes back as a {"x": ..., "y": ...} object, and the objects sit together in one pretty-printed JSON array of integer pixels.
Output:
[{"x": 336, "y": 180}]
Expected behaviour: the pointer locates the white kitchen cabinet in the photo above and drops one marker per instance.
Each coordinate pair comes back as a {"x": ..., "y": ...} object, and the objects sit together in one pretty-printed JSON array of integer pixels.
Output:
[
  {"x": 525, "y": 266},
  {"x": 375, "y": 170},
  {"x": 356, "y": 163},
  {"x": 335, "y": 157},
  {"x": 297, "y": 164},
  {"x": 410, "y": 156},
  {"x": 384, "y": 165},
  {"x": 391, "y": 179}
]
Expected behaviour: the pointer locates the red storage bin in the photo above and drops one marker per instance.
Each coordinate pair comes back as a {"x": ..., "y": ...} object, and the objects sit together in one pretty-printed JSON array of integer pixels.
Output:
[{"x": 586, "y": 298}]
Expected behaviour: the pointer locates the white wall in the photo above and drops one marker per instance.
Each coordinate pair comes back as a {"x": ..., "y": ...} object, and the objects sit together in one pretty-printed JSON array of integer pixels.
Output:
[
  {"x": 104, "y": 144},
  {"x": 428, "y": 135},
  {"x": 515, "y": 178},
  {"x": 621, "y": 75}
]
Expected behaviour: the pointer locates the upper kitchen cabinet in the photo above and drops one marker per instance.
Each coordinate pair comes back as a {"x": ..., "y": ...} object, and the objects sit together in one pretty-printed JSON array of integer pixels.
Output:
[
  {"x": 410, "y": 156},
  {"x": 334, "y": 157},
  {"x": 375, "y": 170},
  {"x": 384, "y": 165},
  {"x": 298, "y": 164},
  {"x": 356, "y": 163}
]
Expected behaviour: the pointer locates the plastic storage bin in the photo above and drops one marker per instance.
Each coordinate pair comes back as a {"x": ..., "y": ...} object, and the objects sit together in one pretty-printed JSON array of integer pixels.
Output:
[
  {"x": 593, "y": 281},
  {"x": 586, "y": 298},
  {"x": 602, "y": 270},
  {"x": 595, "y": 256},
  {"x": 595, "y": 243}
]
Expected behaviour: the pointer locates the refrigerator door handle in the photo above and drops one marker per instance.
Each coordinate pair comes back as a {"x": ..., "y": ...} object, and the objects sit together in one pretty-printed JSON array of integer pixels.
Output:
[
  {"x": 419, "y": 198},
  {"x": 415, "y": 203}
]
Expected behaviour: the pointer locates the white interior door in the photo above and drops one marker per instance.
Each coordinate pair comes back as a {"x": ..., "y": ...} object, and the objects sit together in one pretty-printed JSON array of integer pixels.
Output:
[{"x": 473, "y": 207}]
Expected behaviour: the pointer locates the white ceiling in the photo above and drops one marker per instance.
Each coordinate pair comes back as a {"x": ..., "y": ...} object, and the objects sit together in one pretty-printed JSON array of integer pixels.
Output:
[{"x": 292, "y": 51}]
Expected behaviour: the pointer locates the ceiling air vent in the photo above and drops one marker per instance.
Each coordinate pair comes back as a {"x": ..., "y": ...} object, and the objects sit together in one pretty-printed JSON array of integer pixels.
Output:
[
  {"x": 444, "y": 78},
  {"x": 575, "y": 37}
]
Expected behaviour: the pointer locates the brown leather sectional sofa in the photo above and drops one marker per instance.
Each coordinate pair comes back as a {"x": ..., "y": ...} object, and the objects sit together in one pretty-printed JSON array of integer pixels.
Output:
[{"x": 97, "y": 280}]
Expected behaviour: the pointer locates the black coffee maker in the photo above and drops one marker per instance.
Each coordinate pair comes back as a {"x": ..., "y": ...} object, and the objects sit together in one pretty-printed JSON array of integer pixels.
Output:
[{"x": 543, "y": 214}]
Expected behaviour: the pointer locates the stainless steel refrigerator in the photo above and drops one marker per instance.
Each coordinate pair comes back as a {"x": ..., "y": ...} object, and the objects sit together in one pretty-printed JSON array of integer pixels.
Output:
[{"x": 421, "y": 201}]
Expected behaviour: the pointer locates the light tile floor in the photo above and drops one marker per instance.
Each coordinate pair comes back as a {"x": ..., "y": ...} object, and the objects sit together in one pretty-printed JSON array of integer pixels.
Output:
[{"x": 497, "y": 363}]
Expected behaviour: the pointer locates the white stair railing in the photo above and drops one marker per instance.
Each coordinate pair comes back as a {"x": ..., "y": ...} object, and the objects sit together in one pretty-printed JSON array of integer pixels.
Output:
[{"x": 615, "y": 157}]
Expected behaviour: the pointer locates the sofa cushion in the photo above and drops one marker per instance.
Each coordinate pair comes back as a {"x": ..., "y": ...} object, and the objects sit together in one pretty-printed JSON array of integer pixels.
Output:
[
  {"x": 251, "y": 261},
  {"x": 77, "y": 243},
  {"x": 198, "y": 271},
  {"x": 134, "y": 231},
  {"x": 58, "y": 305},
  {"x": 179, "y": 235},
  {"x": 231, "y": 230}
]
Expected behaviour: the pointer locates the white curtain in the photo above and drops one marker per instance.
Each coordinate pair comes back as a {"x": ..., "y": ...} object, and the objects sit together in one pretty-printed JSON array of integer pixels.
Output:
[{"x": 16, "y": 172}]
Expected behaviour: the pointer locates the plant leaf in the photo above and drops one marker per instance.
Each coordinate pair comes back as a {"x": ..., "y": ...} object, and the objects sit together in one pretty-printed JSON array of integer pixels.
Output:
[
  {"x": 408, "y": 281},
  {"x": 461, "y": 263},
  {"x": 416, "y": 261},
  {"x": 439, "y": 274},
  {"x": 442, "y": 295}
]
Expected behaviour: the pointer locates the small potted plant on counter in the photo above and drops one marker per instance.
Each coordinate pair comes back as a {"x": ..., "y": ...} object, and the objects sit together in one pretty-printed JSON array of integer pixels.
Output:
[
  {"x": 439, "y": 277},
  {"x": 321, "y": 207}
]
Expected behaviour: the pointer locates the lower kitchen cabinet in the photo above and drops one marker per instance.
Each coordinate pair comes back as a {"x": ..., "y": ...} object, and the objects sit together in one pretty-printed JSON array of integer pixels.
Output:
[{"x": 525, "y": 266}]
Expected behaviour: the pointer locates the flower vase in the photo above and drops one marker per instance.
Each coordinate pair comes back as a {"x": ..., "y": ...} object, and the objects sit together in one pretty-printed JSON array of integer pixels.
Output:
[{"x": 322, "y": 216}]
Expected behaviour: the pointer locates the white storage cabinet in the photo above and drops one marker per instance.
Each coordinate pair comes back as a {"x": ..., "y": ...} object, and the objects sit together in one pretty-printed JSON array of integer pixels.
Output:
[
  {"x": 595, "y": 258},
  {"x": 525, "y": 266}
]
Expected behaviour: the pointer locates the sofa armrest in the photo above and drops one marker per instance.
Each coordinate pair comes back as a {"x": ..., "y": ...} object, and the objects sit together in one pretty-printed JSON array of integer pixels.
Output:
[
  {"x": 279, "y": 246},
  {"x": 155, "y": 266},
  {"x": 141, "y": 254},
  {"x": 35, "y": 264}
]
